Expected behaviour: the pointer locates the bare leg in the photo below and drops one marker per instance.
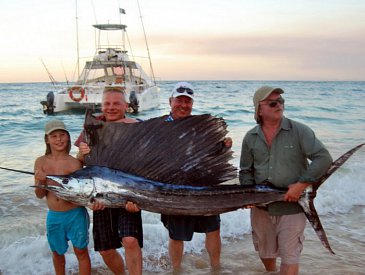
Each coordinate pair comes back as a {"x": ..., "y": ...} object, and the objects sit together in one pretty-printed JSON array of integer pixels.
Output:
[
  {"x": 269, "y": 263},
  {"x": 84, "y": 261},
  {"x": 113, "y": 260},
  {"x": 289, "y": 269},
  {"x": 58, "y": 263},
  {"x": 176, "y": 250},
  {"x": 213, "y": 246},
  {"x": 133, "y": 255}
]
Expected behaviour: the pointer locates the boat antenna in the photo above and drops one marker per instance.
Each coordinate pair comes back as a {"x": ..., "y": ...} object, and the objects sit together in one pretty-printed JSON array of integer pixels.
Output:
[
  {"x": 77, "y": 41},
  {"x": 145, "y": 39},
  {"x": 96, "y": 22},
  {"x": 122, "y": 11}
]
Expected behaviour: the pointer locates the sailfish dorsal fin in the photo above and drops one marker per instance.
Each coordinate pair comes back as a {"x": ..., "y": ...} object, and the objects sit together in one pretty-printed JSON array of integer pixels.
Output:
[{"x": 187, "y": 151}]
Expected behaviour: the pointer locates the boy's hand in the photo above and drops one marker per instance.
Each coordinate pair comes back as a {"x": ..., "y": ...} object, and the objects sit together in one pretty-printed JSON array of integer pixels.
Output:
[{"x": 40, "y": 176}]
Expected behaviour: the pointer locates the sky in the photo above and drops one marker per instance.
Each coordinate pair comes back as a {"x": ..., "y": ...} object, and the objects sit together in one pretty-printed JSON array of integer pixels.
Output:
[{"x": 190, "y": 39}]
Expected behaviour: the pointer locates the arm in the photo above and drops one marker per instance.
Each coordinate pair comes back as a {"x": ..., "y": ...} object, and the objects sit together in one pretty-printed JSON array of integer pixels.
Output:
[
  {"x": 84, "y": 149},
  {"x": 39, "y": 178},
  {"x": 314, "y": 150},
  {"x": 320, "y": 158},
  {"x": 246, "y": 173}
]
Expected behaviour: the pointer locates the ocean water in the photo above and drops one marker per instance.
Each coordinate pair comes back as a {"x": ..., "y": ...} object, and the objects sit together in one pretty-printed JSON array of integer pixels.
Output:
[{"x": 334, "y": 110}]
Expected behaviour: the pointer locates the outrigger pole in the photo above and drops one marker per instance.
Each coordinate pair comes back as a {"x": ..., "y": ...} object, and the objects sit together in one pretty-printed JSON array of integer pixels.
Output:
[
  {"x": 53, "y": 81},
  {"x": 145, "y": 39}
]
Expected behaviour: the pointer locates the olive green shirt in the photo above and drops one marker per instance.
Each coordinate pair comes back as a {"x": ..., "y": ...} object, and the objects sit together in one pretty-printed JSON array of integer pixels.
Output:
[{"x": 286, "y": 162}]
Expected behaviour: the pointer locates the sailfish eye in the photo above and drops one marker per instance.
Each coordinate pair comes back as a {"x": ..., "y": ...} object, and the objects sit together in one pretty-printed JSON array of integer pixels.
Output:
[{"x": 65, "y": 181}]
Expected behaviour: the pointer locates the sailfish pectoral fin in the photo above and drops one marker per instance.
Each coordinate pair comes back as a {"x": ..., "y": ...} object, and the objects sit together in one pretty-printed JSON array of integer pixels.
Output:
[
  {"x": 110, "y": 199},
  {"x": 115, "y": 199},
  {"x": 307, "y": 204}
]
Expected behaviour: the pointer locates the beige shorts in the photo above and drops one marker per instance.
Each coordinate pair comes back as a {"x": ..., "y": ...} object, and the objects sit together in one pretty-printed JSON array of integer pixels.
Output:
[{"x": 278, "y": 236}]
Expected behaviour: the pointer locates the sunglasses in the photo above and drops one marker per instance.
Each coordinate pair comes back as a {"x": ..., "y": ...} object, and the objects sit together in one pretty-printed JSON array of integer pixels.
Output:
[
  {"x": 182, "y": 90},
  {"x": 273, "y": 103}
]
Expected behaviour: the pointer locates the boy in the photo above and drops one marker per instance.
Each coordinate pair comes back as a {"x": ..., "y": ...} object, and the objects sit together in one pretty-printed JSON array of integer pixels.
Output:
[{"x": 65, "y": 220}]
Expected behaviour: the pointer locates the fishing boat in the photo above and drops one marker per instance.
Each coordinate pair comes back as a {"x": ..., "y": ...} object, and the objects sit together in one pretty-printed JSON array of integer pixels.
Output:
[{"x": 110, "y": 66}]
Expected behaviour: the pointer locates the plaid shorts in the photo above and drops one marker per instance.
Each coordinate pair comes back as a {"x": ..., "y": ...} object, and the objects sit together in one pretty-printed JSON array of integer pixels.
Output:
[{"x": 112, "y": 224}]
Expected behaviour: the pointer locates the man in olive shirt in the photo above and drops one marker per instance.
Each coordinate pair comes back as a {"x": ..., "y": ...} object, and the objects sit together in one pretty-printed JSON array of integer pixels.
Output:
[{"x": 276, "y": 152}]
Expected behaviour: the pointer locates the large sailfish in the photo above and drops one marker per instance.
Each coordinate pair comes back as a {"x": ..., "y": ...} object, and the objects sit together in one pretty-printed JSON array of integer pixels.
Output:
[{"x": 180, "y": 168}]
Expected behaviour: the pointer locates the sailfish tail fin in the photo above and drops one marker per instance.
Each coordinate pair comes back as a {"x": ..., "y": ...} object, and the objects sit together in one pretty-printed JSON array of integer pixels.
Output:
[
  {"x": 337, "y": 164},
  {"x": 307, "y": 203}
]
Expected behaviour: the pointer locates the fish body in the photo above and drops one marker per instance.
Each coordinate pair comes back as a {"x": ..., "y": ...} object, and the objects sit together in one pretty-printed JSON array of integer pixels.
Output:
[{"x": 115, "y": 188}]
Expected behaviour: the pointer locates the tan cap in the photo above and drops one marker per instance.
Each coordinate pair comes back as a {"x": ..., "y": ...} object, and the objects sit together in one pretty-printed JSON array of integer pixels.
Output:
[
  {"x": 54, "y": 125},
  {"x": 261, "y": 94}
]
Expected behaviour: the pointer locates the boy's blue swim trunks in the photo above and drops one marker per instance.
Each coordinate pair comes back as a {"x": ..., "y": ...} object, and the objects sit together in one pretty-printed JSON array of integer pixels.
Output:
[{"x": 70, "y": 225}]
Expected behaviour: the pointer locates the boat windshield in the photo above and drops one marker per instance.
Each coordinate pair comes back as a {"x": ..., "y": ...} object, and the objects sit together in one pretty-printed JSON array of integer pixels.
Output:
[{"x": 110, "y": 72}]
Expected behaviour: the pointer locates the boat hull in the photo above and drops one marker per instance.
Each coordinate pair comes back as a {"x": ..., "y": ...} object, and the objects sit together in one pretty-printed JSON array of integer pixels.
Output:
[{"x": 146, "y": 98}]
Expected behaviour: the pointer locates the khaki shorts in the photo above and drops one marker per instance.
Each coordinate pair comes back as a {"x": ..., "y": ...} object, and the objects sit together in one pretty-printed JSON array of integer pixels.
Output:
[{"x": 278, "y": 236}]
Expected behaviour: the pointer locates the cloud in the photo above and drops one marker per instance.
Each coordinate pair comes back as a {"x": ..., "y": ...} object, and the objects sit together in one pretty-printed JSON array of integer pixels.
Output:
[
  {"x": 283, "y": 57},
  {"x": 258, "y": 45}
]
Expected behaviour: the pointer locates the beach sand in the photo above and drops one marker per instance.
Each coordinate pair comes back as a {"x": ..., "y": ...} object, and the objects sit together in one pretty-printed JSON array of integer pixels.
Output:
[{"x": 238, "y": 255}]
